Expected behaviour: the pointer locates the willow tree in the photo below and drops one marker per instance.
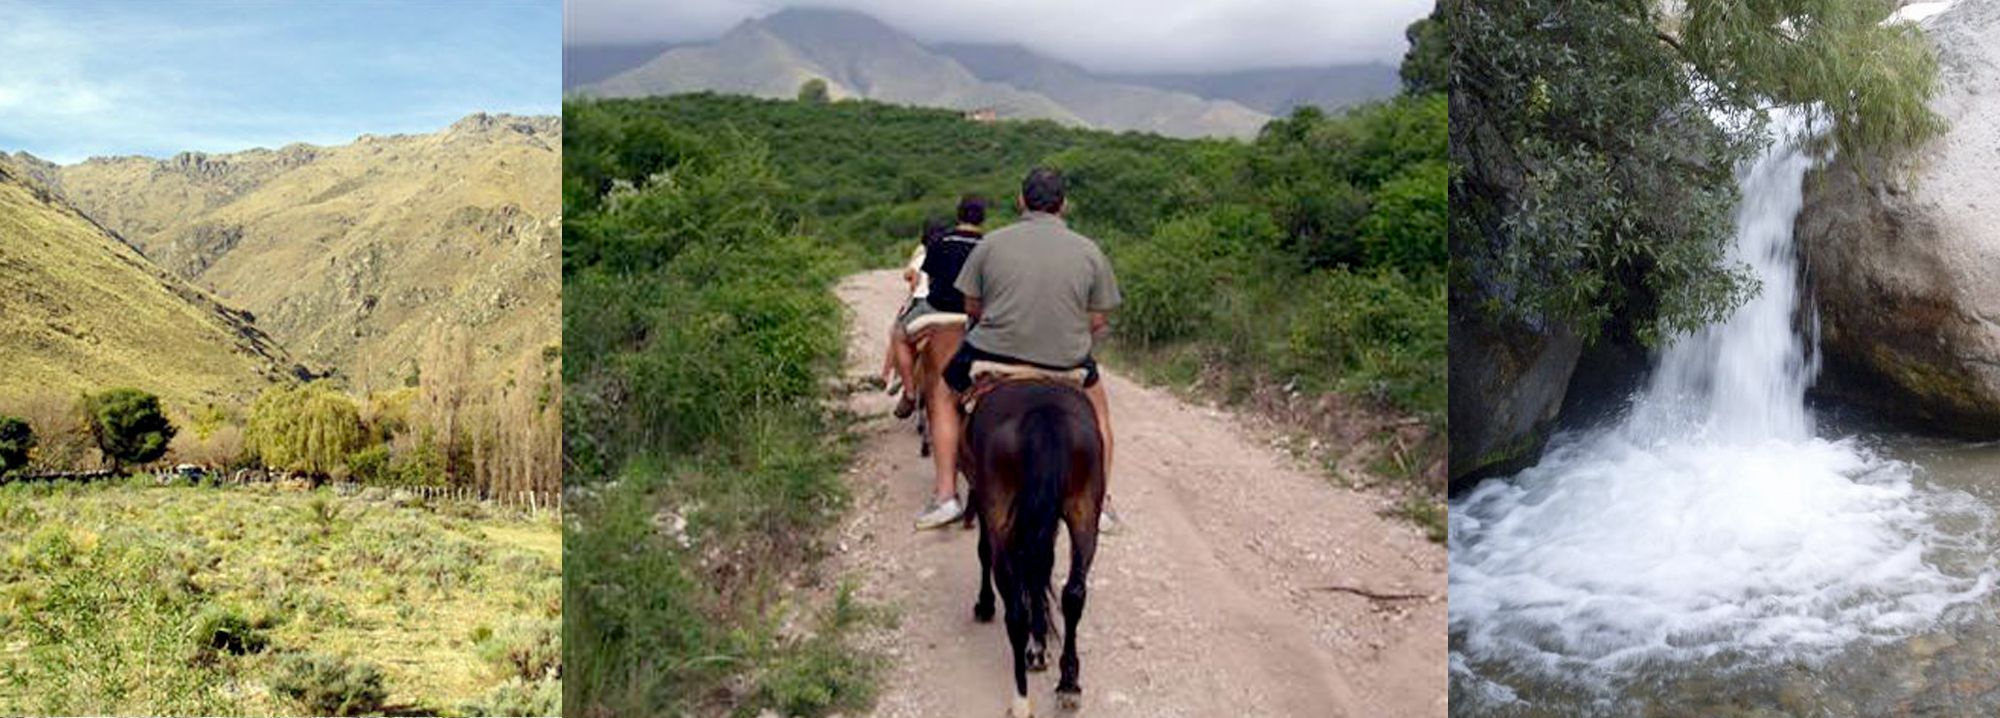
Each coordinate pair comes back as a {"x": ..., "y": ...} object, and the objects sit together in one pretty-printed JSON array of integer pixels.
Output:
[
  {"x": 311, "y": 428},
  {"x": 1597, "y": 141}
]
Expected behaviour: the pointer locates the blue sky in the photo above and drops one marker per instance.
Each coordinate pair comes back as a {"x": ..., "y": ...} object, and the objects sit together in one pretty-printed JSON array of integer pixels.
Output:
[{"x": 86, "y": 78}]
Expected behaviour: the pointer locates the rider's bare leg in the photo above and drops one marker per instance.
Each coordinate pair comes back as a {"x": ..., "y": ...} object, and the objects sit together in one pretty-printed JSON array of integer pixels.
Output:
[
  {"x": 942, "y": 403},
  {"x": 889, "y": 355},
  {"x": 903, "y": 358}
]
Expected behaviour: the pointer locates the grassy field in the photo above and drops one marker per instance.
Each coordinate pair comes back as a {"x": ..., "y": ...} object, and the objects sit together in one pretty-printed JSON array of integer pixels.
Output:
[{"x": 130, "y": 598}]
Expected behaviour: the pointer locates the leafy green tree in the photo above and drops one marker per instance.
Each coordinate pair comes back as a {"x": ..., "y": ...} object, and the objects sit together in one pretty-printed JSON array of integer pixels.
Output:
[
  {"x": 1597, "y": 185},
  {"x": 1406, "y": 228},
  {"x": 813, "y": 91},
  {"x": 129, "y": 426},
  {"x": 1427, "y": 64},
  {"x": 311, "y": 428},
  {"x": 16, "y": 438}
]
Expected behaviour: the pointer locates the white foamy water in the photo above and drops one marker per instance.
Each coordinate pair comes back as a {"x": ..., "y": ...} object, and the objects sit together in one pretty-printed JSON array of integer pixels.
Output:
[{"x": 1711, "y": 520}]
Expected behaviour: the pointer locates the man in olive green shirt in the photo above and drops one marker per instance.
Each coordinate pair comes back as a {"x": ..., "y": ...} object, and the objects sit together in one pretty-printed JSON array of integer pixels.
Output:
[{"x": 1038, "y": 294}]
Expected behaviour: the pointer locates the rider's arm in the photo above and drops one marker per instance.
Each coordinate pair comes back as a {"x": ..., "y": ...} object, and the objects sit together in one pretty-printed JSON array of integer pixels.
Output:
[
  {"x": 972, "y": 308},
  {"x": 1098, "y": 323}
]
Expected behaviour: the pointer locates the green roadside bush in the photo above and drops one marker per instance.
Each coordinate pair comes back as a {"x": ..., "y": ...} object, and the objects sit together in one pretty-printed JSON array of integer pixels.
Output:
[
  {"x": 1383, "y": 333},
  {"x": 699, "y": 331}
]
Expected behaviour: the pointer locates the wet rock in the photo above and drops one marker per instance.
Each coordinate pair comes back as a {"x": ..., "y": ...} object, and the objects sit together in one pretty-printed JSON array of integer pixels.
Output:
[{"x": 1503, "y": 405}]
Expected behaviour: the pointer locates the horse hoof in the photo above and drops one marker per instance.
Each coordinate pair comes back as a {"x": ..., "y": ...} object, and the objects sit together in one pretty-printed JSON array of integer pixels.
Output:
[
  {"x": 1037, "y": 662},
  {"x": 982, "y": 612},
  {"x": 1020, "y": 708},
  {"x": 1069, "y": 700}
]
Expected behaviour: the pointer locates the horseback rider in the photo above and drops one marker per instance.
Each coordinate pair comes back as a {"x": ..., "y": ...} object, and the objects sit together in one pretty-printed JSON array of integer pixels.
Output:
[
  {"x": 1037, "y": 293},
  {"x": 936, "y": 270},
  {"x": 898, "y": 362}
]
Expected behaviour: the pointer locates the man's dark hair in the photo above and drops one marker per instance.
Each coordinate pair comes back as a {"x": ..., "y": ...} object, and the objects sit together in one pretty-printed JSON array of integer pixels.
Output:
[
  {"x": 935, "y": 228},
  {"x": 1042, "y": 191},
  {"x": 971, "y": 210}
]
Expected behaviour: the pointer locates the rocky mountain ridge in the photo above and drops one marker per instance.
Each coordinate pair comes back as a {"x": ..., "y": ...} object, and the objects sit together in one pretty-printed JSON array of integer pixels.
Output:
[{"x": 355, "y": 255}]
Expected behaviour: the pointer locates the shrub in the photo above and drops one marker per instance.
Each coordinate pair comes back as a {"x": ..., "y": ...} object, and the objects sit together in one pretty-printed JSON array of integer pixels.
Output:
[
  {"x": 1169, "y": 281},
  {"x": 517, "y": 697},
  {"x": 228, "y": 629},
  {"x": 129, "y": 426},
  {"x": 820, "y": 674},
  {"x": 16, "y": 438},
  {"x": 370, "y": 465},
  {"x": 1380, "y": 333},
  {"x": 324, "y": 684},
  {"x": 529, "y": 650},
  {"x": 1406, "y": 230}
]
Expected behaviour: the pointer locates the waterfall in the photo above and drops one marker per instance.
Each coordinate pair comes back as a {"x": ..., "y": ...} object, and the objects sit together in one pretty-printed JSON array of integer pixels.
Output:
[
  {"x": 1712, "y": 521},
  {"x": 1745, "y": 379}
]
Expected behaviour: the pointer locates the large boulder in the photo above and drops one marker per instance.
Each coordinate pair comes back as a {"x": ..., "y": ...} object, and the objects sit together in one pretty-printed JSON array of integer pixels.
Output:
[
  {"x": 1903, "y": 254},
  {"x": 1507, "y": 377},
  {"x": 1504, "y": 403}
]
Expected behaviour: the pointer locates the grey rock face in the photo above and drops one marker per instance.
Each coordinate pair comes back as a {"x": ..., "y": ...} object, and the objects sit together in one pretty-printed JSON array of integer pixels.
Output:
[{"x": 1903, "y": 256}]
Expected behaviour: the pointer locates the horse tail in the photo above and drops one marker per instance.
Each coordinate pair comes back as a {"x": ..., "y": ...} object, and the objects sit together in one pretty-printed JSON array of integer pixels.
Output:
[{"x": 1045, "y": 449}]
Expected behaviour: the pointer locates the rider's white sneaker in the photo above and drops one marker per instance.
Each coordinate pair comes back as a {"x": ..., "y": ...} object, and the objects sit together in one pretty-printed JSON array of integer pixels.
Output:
[
  {"x": 1108, "y": 522},
  {"x": 940, "y": 513}
]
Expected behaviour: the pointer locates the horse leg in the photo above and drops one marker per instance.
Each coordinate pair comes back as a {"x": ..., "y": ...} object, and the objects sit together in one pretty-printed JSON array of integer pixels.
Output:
[
  {"x": 1038, "y": 631},
  {"x": 923, "y": 429},
  {"x": 1083, "y": 549},
  {"x": 1017, "y": 636},
  {"x": 982, "y": 611}
]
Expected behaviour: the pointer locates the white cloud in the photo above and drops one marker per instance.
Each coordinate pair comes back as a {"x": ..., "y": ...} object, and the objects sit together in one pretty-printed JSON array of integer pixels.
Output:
[{"x": 1104, "y": 35}]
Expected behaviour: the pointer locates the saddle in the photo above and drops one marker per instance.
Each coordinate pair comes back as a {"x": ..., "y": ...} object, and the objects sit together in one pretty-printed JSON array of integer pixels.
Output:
[
  {"x": 921, "y": 327},
  {"x": 990, "y": 375}
]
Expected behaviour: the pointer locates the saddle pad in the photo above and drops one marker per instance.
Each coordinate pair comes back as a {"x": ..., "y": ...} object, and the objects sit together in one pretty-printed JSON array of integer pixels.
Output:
[
  {"x": 934, "y": 319},
  {"x": 1018, "y": 372}
]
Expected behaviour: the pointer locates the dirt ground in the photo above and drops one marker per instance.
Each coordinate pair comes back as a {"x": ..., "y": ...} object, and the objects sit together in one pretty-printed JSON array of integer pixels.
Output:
[{"x": 1215, "y": 601}]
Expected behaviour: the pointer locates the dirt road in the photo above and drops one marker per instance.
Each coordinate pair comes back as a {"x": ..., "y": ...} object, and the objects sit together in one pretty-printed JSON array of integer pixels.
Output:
[{"x": 1212, "y": 602}]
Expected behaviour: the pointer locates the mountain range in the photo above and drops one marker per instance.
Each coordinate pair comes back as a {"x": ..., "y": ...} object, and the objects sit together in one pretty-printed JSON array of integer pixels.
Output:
[
  {"x": 83, "y": 310},
  {"x": 861, "y": 57},
  {"x": 355, "y": 256}
]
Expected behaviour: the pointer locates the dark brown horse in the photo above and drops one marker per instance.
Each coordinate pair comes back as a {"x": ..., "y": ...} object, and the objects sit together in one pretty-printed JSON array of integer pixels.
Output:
[{"x": 1034, "y": 458}]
